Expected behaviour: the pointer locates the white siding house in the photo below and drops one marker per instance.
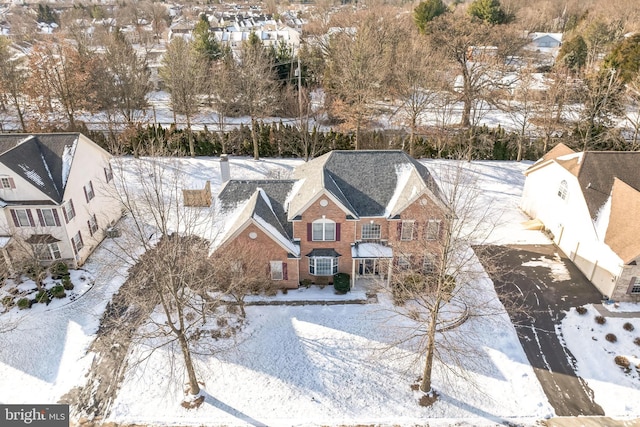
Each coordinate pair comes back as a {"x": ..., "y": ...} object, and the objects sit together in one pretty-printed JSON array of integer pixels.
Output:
[
  {"x": 586, "y": 201},
  {"x": 56, "y": 196}
]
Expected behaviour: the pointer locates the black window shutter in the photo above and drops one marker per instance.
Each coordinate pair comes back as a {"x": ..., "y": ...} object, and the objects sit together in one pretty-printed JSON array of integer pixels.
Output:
[
  {"x": 30, "y": 216},
  {"x": 285, "y": 274},
  {"x": 15, "y": 218},
  {"x": 40, "y": 217},
  {"x": 337, "y": 231},
  {"x": 309, "y": 232},
  {"x": 56, "y": 218}
]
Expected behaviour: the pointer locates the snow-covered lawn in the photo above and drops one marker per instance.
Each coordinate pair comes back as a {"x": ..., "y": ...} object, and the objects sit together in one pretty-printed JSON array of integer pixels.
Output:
[
  {"x": 616, "y": 389},
  {"x": 302, "y": 365}
]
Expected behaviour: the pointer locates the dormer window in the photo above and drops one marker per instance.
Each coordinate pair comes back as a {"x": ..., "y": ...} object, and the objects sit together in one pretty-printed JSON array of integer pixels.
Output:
[
  {"x": 323, "y": 230},
  {"x": 563, "y": 190}
]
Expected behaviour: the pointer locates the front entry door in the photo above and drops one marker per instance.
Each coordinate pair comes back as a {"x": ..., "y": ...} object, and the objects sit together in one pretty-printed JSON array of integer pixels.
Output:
[{"x": 368, "y": 267}]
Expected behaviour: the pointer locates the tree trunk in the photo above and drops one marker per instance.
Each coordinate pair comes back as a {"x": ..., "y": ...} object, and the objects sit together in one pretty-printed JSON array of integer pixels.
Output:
[
  {"x": 192, "y": 149},
  {"x": 19, "y": 110},
  {"x": 425, "y": 385},
  {"x": 194, "y": 387},
  {"x": 357, "y": 134},
  {"x": 412, "y": 143},
  {"x": 254, "y": 138}
]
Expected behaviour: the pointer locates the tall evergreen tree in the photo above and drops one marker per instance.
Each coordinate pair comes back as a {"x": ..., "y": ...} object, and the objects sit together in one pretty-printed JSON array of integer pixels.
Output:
[{"x": 426, "y": 11}]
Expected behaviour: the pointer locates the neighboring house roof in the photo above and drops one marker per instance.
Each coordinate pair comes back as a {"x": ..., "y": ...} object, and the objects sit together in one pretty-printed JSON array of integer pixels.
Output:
[
  {"x": 44, "y": 160},
  {"x": 623, "y": 230},
  {"x": 598, "y": 170},
  {"x": 610, "y": 184},
  {"x": 368, "y": 183}
]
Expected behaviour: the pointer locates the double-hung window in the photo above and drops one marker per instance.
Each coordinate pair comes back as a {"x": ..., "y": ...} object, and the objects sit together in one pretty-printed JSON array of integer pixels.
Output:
[
  {"x": 433, "y": 229},
  {"x": 92, "y": 224},
  {"x": 22, "y": 218},
  {"x": 69, "y": 211},
  {"x": 88, "y": 192},
  {"x": 406, "y": 230},
  {"x": 323, "y": 230},
  {"x": 48, "y": 217},
  {"x": 77, "y": 242},
  {"x": 277, "y": 270}
]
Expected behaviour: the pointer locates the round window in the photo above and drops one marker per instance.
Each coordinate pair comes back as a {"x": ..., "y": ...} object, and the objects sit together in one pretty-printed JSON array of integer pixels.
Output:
[
  {"x": 253, "y": 235},
  {"x": 324, "y": 202}
]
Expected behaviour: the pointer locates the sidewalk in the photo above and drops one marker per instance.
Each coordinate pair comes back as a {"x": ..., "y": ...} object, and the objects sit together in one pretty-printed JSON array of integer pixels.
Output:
[
  {"x": 622, "y": 314},
  {"x": 589, "y": 422}
]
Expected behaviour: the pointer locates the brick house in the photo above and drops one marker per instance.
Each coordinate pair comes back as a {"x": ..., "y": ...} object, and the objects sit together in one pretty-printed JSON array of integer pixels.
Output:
[
  {"x": 354, "y": 212},
  {"x": 55, "y": 197}
]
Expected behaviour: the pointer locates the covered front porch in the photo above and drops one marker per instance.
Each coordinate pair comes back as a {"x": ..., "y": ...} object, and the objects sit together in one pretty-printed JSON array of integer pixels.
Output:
[{"x": 371, "y": 265}]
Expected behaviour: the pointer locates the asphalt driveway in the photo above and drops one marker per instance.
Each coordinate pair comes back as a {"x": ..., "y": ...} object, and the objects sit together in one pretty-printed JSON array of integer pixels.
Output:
[{"x": 538, "y": 293}]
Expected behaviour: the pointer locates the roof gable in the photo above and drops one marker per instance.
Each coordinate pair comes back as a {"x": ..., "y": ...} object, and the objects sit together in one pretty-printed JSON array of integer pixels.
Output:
[{"x": 44, "y": 160}]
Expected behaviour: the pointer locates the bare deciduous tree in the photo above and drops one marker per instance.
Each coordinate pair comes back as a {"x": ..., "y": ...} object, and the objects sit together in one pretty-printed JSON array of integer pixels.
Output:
[
  {"x": 440, "y": 283},
  {"x": 184, "y": 73},
  {"x": 255, "y": 84},
  {"x": 13, "y": 76},
  {"x": 358, "y": 62}
]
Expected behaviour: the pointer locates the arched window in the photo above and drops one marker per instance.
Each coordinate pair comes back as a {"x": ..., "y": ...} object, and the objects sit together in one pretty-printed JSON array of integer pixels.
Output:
[
  {"x": 563, "y": 190},
  {"x": 323, "y": 230}
]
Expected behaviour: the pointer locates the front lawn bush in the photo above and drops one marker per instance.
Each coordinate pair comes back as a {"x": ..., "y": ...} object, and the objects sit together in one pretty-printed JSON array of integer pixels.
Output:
[
  {"x": 581, "y": 310},
  {"x": 24, "y": 303},
  {"x": 611, "y": 338},
  {"x": 342, "y": 283},
  {"x": 601, "y": 320},
  {"x": 59, "y": 270},
  {"x": 622, "y": 361},
  {"x": 636, "y": 341},
  {"x": 628, "y": 327},
  {"x": 58, "y": 291},
  {"x": 42, "y": 297},
  {"x": 66, "y": 283}
]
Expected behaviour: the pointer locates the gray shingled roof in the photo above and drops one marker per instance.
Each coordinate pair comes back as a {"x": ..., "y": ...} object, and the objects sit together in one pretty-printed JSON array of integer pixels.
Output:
[
  {"x": 598, "y": 170},
  {"x": 368, "y": 180},
  {"x": 38, "y": 158},
  {"x": 238, "y": 191}
]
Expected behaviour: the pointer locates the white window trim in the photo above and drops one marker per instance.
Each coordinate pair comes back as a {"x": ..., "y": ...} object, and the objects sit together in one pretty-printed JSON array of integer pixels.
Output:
[
  {"x": 368, "y": 231},
  {"x": 52, "y": 249},
  {"x": 635, "y": 285},
  {"x": 93, "y": 224},
  {"x": 78, "y": 244},
  {"x": 313, "y": 265},
  {"x": 277, "y": 270},
  {"x": 404, "y": 261},
  {"x": 429, "y": 234},
  {"x": 26, "y": 217},
  {"x": 404, "y": 229},
  {"x": 69, "y": 211},
  {"x": 324, "y": 223},
  {"x": 43, "y": 212},
  {"x": 3, "y": 184}
]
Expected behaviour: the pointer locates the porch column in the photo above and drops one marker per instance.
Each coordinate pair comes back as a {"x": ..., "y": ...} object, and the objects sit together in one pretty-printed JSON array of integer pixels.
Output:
[
  {"x": 390, "y": 262},
  {"x": 353, "y": 273}
]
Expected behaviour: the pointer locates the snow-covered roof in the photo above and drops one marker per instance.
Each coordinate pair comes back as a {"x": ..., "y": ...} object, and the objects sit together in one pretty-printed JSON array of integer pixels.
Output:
[
  {"x": 44, "y": 160},
  {"x": 371, "y": 250}
]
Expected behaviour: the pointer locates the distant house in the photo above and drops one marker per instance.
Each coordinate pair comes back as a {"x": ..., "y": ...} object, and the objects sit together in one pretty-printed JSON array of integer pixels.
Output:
[
  {"x": 353, "y": 212},
  {"x": 545, "y": 40},
  {"x": 55, "y": 197},
  {"x": 546, "y": 45},
  {"x": 588, "y": 201}
]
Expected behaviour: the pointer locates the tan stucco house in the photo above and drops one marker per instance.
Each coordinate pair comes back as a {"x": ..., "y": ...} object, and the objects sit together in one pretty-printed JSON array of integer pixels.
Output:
[
  {"x": 355, "y": 212},
  {"x": 56, "y": 197},
  {"x": 587, "y": 201}
]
